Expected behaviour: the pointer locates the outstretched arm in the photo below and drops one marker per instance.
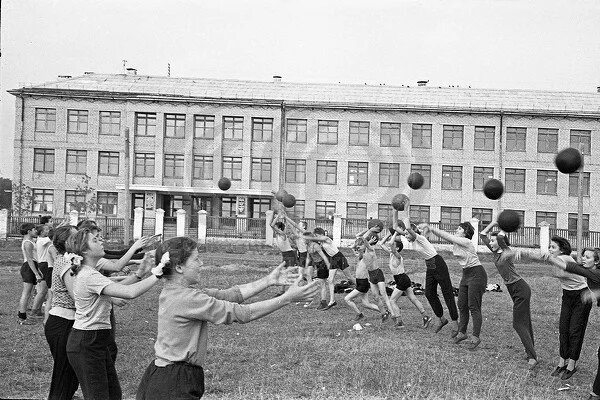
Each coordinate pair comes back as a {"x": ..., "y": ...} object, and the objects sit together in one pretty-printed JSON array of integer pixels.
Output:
[
  {"x": 294, "y": 224},
  {"x": 461, "y": 241},
  {"x": 279, "y": 276},
  {"x": 274, "y": 220}
]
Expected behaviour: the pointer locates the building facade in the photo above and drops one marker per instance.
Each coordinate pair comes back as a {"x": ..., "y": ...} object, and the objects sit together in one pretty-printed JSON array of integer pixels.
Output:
[{"x": 343, "y": 149}]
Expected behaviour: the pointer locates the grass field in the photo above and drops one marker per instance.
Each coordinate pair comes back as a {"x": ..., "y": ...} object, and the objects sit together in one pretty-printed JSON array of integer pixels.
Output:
[{"x": 305, "y": 353}]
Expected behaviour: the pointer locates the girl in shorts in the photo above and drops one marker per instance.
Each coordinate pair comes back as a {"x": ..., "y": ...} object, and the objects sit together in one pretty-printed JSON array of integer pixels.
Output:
[
  {"x": 283, "y": 242},
  {"x": 317, "y": 259},
  {"x": 31, "y": 275},
  {"x": 300, "y": 240}
]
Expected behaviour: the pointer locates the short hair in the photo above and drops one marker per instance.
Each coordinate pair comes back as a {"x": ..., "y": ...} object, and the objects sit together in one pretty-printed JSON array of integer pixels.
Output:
[
  {"x": 78, "y": 244},
  {"x": 87, "y": 223},
  {"x": 44, "y": 219},
  {"x": 61, "y": 234},
  {"x": 280, "y": 225},
  {"x": 319, "y": 231},
  {"x": 26, "y": 227},
  {"x": 596, "y": 252},
  {"x": 180, "y": 249},
  {"x": 563, "y": 244},
  {"x": 399, "y": 244},
  {"x": 504, "y": 237},
  {"x": 40, "y": 229},
  {"x": 468, "y": 229},
  {"x": 303, "y": 224}
]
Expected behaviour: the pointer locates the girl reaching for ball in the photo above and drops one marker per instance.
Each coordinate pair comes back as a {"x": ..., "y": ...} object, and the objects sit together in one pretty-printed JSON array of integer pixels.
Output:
[{"x": 362, "y": 283}]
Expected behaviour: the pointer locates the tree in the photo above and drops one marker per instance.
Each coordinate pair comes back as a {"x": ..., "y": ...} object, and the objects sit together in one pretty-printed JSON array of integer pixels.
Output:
[
  {"x": 86, "y": 201},
  {"x": 22, "y": 197}
]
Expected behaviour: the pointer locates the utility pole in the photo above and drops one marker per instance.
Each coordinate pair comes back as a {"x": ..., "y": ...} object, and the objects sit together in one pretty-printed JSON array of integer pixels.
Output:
[{"x": 127, "y": 219}]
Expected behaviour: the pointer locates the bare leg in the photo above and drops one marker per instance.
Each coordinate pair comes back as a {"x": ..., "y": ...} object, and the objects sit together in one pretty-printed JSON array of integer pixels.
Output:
[
  {"x": 42, "y": 290},
  {"x": 351, "y": 304},
  {"x": 25, "y": 295},
  {"x": 349, "y": 276},
  {"x": 367, "y": 303},
  {"x": 330, "y": 281},
  {"x": 393, "y": 299},
  {"x": 411, "y": 296},
  {"x": 384, "y": 296}
]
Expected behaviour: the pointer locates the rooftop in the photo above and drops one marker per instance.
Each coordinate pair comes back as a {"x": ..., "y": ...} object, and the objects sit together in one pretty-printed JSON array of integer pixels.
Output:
[{"x": 321, "y": 94}]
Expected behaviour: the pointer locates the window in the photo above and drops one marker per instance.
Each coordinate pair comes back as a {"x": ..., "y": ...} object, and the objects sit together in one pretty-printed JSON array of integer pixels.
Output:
[
  {"x": 107, "y": 203},
  {"x": 547, "y": 140},
  {"x": 385, "y": 212},
  {"x": 324, "y": 209},
  {"x": 421, "y": 136},
  {"x": 425, "y": 171},
  {"x": 108, "y": 163},
  {"x": 484, "y": 215},
  {"x": 548, "y": 216},
  {"x": 175, "y": 125},
  {"x": 516, "y": 139},
  {"x": 45, "y": 120},
  {"x": 233, "y": 128},
  {"x": 144, "y": 165},
  {"x": 228, "y": 207},
  {"x": 260, "y": 206},
  {"x": 451, "y": 177},
  {"x": 298, "y": 211},
  {"x": 389, "y": 134},
  {"x": 514, "y": 180},
  {"x": 42, "y": 200},
  {"x": 419, "y": 214},
  {"x": 359, "y": 133},
  {"x": 574, "y": 182},
  {"x": 173, "y": 167},
  {"x": 581, "y": 140},
  {"x": 295, "y": 171},
  {"x": 327, "y": 172},
  {"x": 450, "y": 217},
  {"x": 481, "y": 175},
  {"x": 76, "y": 161},
  {"x": 43, "y": 160},
  {"x": 74, "y": 201},
  {"x": 204, "y": 126},
  {"x": 203, "y": 167},
  {"x": 546, "y": 182},
  {"x": 356, "y": 210},
  {"x": 327, "y": 132},
  {"x": 358, "y": 173},
  {"x": 261, "y": 169},
  {"x": 484, "y": 138},
  {"x": 232, "y": 168},
  {"x": 296, "y": 130},
  {"x": 389, "y": 174},
  {"x": 453, "y": 137},
  {"x": 138, "y": 200},
  {"x": 77, "y": 121},
  {"x": 262, "y": 129},
  {"x": 110, "y": 123},
  {"x": 573, "y": 223},
  {"x": 145, "y": 124}
]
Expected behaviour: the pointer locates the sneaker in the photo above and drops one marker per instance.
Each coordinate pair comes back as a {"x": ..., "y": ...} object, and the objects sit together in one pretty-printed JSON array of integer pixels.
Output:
[
  {"x": 475, "y": 341},
  {"x": 322, "y": 305},
  {"x": 443, "y": 322},
  {"x": 358, "y": 317},
  {"x": 426, "y": 321},
  {"x": 532, "y": 363},
  {"x": 460, "y": 337},
  {"x": 568, "y": 374},
  {"x": 36, "y": 314},
  {"x": 385, "y": 316},
  {"x": 558, "y": 370},
  {"x": 27, "y": 321},
  {"x": 328, "y": 306}
]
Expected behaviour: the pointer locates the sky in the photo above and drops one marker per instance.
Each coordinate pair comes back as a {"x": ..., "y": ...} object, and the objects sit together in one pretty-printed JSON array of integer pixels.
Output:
[{"x": 505, "y": 44}]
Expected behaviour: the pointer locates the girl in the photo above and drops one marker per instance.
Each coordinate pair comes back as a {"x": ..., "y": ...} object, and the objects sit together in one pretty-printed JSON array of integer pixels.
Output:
[
  {"x": 31, "y": 275},
  {"x": 283, "y": 242},
  {"x": 473, "y": 281},
  {"x": 185, "y": 311},
  {"x": 300, "y": 240},
  {"x": 316, "y": 258}
]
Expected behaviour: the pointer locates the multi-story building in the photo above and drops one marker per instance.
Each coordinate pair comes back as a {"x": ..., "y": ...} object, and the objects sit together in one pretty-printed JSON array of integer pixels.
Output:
[{"x": 338, "y": 148}]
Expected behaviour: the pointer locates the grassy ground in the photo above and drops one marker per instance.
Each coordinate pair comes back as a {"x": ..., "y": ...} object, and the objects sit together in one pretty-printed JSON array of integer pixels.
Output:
[{"x": 304, "y": 353}]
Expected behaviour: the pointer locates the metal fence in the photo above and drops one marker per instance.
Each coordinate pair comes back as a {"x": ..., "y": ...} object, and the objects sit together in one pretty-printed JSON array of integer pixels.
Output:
[
  {"x": 352, "y": 227},
  {"x": 589, "y": 239},
  {"x": 231, "y": 227}
]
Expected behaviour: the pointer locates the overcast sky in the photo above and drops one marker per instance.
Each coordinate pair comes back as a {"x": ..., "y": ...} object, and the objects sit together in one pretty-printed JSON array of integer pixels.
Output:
[{"x": 542, "y": 44}]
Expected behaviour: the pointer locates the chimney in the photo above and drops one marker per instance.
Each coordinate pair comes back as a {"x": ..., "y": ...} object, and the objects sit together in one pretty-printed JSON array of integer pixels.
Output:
[
  {"x": 64, "y": 76},
  {"x": 276, "y": 78},
  {"x": 131, "y": 71},
  {"x": 422, "y": 83}
]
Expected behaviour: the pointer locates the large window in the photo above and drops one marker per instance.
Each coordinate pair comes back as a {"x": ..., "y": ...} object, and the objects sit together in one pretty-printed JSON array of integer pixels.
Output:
[
  {"x": 110, "y": 123},
  {"x": 421, "y": 136},
  {"x": 484, "y": 138},
  {"x": 204, "y": 126},
  {"x": 574, "y": 184},
  {"x": 108, "y": 163},
  {"x": 324, "y": 209},
  {"x": 261, "y": 169},
  {"x": 233, "y": 128},
  {"x": 385, "y": 212},
  {"x": 419, "y": 214},
  {"x": 450, "y": 217},
  {"x": 43, "y": 160},
  {"x": 145, "y": 124},
  {"x": 262, "y": 129},
  {"x": 298, "y": 210},
  {"x": 296, "y": 130},
  {"x": 107, "y": 203},
  {"x": 203, "y": 167},
  {"x": 516, "y": 139},
  {"x": 389, "y": 134},
  {"x": 42, "y": 200},
  {"x": 547, "y": 140},
  {"x": 546, "y": 182},
  {"x": 548, "y": 216},
  {"x": 74, "y": 200},
  {"x": 585, "y": 219},
  {"x": 356, "y": 210},
  {"x": 232, "y": 168},
  {"x": 76, "y": 161},
  {"x": 77, "y": 121},
  {"x": 144, "y": 165},
  {"x": 259, "y": 207},
  {"x": 359, "y": 133},
  {"x": 228, "y": 207},
  {"x": 173, "y": 167},
  {"x": 452, "y": 177},
  {"x": 453, "y": 137},
  {"x": 45, "y": 120},
  {"x": 175, "y": 125},
  {"x": 358, "y": 173},
  {"x": 327, "y": 132},
  {"x": 425, "y": 171},
  {"x": 581, "y": 140},
  {"x": 514, "y": 180},
  {"x": 295, "y": 171},
  {"x": 481, "y": 175},
  {"x": 484, "y": 215},
  {"x": 389, "y": 174},
  {"x": 326, "y": 172}
]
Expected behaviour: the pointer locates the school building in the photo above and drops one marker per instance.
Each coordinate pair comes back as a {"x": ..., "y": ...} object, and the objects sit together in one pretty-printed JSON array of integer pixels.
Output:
[{"x": 338, "y": 148}]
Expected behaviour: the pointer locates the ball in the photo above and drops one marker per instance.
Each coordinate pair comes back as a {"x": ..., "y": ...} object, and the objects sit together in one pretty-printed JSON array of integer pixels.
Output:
[
  {"x": 399, "y": 201},
  {"x": 493, "y": 189},
  {"x": 509, "y": 221},
  {"x": 375, "y": 222},
  {"x": 280, "y": 193},
  {"x": 224, "y": 183},
  {"x": 288, "y": 200},
  {"x": 568, "y": 160},
  {"x": 415, "y": 180}
]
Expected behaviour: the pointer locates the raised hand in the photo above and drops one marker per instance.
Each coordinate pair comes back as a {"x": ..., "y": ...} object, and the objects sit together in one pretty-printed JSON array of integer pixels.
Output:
[
  {"x": 282, "y": 276},
  {"x": 299, "y": 293}
]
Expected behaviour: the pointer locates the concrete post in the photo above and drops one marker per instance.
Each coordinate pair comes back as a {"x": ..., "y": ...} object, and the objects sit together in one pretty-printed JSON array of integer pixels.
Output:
[
  {"x": 74, "y": 217},
  {"x": 3, "y": 223},
  {"x": 268, "y": 228},
  {"x": 475, "y": 238},
  {"x": 159, "y": 222},
  {"x": 202, "y": 225},
  {"x": 337, "y": 229},
  {"x": 181, "y": 222},
  {"x": 544, "y": 236},
  {"x": 138, "y": 222}
]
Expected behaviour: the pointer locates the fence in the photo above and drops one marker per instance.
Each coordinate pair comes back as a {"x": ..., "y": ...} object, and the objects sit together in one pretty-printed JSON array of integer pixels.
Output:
[
  {"x": 231, "y": 227},
  {"x": 352, "y": 227}
]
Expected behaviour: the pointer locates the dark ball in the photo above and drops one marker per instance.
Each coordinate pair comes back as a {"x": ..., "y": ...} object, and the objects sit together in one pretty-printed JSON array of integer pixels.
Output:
[
  {"x": 493, "y": 189},
  {"x": 415, "y": 180},
  {"x": 224, "y": 183},
  {"x": 399, "y": 201},
  {"x": 375, "y": 222},
  {"x": 509, "y": 221},
  {"x": 288, "y": 200},
  {"x": 280, "y": 193},
  {"x": 568, "y": 160}
]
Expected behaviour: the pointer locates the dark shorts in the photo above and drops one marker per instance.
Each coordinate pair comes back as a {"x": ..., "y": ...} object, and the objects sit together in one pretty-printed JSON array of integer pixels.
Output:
[
  {"x": 376, "y": 276},
  {"x": 322, "y": 271},
  {"x": 339, "y": 261},
  {"x": 290, "y": 258},
  {"x": 46, "y": 272},
  {"x": 27, "y": 274},
  {"x": 362, "y": 285},
  {"x": 402, "y": 281},
  {"x": 175, "y": 381},
  {"x": 302, "y": 258}
]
